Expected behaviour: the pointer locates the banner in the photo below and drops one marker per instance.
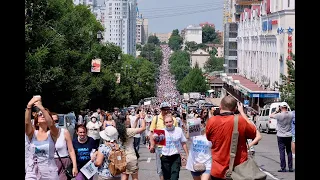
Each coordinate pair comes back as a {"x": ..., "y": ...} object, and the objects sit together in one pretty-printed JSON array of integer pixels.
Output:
[
  {"x": 95, "y": 65},
  {"x": 159, "y": 137},
  {"x": 118, "y": 77},
  {"x": 194, "y": 127}
]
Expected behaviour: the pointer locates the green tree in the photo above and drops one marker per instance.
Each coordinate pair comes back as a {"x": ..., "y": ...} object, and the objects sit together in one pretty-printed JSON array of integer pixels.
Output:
[
  {"x": 214, "y": 64},
  {"x": 287, "y": 87},
  {"x": 154, "y": 39},
  {"x": 191, "y": 46},
  {"x": 209, "y": 35},
  {"x": 180, "y": 64},
  {"x": 60, "y": 44},
  {"x": 138, "y": 47},
  {"x": 175, "y": 40},
  {"x": 193, "y": 82}
]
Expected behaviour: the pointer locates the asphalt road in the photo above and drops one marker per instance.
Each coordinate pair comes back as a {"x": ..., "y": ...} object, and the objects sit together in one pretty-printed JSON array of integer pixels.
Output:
[{"x": 267, "y": 157}]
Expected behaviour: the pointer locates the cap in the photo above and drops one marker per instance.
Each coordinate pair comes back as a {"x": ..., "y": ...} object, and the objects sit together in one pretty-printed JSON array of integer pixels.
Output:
[
  {"x": 94, "y": 115},
  {"x": 283, "y": 104},
  {"x": 110, "y": 133},
  {"x": 164, "y": 105}
]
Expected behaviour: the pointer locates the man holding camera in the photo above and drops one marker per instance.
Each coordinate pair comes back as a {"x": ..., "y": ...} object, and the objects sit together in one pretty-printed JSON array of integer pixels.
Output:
[{"x": 284, "y": 135}]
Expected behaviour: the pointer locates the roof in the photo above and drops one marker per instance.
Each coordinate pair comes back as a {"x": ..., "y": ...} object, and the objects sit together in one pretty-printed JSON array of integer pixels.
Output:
[
  {"x": 215, "y": 80},
  {"x": 252, "y": 86}
]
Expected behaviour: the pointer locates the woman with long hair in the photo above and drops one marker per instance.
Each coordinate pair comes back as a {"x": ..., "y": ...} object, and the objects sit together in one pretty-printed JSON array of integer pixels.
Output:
[
  {"x": 126, "y": 138},
  {"x": 42, "y": 136},
  {"x": 65, "y": 154},
  {"x": 109, "y": 121}
]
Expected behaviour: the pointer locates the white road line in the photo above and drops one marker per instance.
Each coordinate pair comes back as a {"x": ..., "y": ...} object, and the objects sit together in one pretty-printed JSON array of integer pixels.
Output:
[
  {"x": 148, "y": 160},
  {"x": 269, "y": 174}
]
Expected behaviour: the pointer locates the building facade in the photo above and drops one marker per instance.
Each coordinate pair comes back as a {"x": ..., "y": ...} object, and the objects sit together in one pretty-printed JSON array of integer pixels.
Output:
[
  {"x": 142, "y": 29},
  {"x": 163, "y": 37},
  {"x": 199, "y": 57},
  {"x": 207, "y": 24},
  {"x": 265, "y": 39},
  {"x": 193, "y": 33}
]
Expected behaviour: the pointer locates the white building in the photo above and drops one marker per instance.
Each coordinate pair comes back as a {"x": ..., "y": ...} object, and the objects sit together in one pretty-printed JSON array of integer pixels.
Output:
[
  {"x": 193, "y": 33},
  {"x": 89, "y": 3},
  {"x": 199, "y": 57},
  {"x": 119, "y": 21},
  {"x": 262, "y": 45}
]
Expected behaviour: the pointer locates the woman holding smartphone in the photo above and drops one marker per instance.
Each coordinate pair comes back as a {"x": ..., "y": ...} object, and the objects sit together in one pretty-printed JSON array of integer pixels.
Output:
[{"x": 42, "y": 137}]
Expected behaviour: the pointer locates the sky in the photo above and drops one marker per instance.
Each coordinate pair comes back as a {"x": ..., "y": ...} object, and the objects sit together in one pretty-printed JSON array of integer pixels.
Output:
[{"x": 167, "y": 15}]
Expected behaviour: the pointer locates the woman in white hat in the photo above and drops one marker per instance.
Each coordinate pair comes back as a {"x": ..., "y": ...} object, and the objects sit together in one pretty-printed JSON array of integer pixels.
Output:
[
  {"x": 94, "y": 127},
  {"x": 110, "y": 139}
]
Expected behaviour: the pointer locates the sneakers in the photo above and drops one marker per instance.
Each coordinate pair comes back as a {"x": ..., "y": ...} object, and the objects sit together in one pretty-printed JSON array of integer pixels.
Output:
[
  {"x": 291, "y": 170},
  {"x": 282, "y": 170}
]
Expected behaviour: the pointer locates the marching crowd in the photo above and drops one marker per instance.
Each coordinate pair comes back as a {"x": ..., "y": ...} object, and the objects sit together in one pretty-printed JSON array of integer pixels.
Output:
[{"x": 111, "y": 140}]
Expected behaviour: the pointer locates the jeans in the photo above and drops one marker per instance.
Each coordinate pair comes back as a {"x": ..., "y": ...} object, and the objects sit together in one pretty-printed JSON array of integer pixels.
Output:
[
  {"x": 170, "y": 166},
  {"x": 136, "y": 143},
  {"x": 284, "y": 143}
]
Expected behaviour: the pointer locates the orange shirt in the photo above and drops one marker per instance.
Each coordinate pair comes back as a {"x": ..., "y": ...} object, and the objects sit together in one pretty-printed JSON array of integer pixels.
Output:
[{"x": 219, "y": 132}]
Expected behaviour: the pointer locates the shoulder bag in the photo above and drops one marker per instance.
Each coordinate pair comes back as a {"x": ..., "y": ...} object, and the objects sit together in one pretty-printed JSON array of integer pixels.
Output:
[
  {"x": 67, "y": 170},
  {"x": 247, "y": 170}
]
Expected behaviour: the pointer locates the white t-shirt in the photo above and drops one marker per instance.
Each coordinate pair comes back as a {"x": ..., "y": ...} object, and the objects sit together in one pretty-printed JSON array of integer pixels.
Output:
[
  {"x": 200, "y": 152},
  {"x": 173, "y": 141},
  {"x": 132, "y": 120},
  {"x": 94, "y": 129}
]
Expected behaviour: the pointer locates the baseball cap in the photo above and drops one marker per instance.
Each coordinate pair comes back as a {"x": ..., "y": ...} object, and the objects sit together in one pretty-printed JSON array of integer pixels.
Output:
[
  {"x": 110, "y": 133},
  {"x": 164, "y": 105},
  {"x": 283, "y": 104},
  {"x": 94, "y": 115}
]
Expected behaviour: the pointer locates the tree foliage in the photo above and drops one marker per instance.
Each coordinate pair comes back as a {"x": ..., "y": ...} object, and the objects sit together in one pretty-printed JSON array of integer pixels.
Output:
[
  {"x": 154, "y": 39},
  {"x": 175, "y": 40},
  {"x": 193, "y": 82},
  {"x": 287, "y": 87},
  {"x": 214, "y": 63},
  {"x": 180, "y": 64},
  {"x": 60, "y": 42},
  {"x": 209, "y": 35},
  {"x": 191, "y": 46}
]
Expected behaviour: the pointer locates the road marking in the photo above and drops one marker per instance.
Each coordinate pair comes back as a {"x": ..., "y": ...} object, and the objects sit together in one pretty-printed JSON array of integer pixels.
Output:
[
  {"x": 269, "y": 174},
  {"x": 149, "y": 159}
]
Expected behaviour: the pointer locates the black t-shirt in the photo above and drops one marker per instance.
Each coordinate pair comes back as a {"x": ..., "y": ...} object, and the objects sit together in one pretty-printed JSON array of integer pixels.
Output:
[{"x": 83, "y": 151}]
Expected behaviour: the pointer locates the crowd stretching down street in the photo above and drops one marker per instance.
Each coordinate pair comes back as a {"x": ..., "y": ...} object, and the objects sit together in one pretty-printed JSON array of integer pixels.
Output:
[{"x": 97, "y": 144}]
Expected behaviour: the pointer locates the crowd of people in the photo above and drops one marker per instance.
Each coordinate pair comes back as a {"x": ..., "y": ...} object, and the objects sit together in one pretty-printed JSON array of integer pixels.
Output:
[{"x": 54, "y": 153}]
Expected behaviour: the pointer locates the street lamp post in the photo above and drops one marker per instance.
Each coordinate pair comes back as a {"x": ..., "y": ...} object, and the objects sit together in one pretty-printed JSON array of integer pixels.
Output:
[{"x": 99, "y": 36}]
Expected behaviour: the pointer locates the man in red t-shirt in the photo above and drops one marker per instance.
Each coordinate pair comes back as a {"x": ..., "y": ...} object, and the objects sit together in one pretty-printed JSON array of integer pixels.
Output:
[{"x": 219, "y": 131}]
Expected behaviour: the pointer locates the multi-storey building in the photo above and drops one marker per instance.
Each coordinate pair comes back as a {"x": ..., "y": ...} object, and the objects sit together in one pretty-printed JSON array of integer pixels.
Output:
[
  {"x": 120, "y": 24},
  {"x": 206, "y": 23},
  {"x": 265, "y": 36},
  {"x": 142, "y": 29},
  {"x": 193, "y": 33}
]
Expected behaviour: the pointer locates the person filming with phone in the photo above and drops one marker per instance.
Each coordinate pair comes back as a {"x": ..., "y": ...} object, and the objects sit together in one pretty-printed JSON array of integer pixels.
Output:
[
  {"x": 42, "y": 136},
  {"x": 219, "y": 131}
]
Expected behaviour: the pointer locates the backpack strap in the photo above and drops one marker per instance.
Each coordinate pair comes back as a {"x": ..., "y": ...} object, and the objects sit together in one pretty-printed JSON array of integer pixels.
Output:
[{"x": 156, "y": 121}]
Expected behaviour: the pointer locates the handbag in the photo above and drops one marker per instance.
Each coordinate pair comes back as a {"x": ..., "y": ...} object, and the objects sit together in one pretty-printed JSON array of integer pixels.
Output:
[
  {"x": 247, "y": 170},
  {"x": 67, "y": 170},
  {"x": 199, "y": 167}
]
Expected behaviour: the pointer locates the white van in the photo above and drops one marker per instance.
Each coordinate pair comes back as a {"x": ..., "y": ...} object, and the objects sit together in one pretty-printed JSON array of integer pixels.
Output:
[{"x": 264, "y": 122}]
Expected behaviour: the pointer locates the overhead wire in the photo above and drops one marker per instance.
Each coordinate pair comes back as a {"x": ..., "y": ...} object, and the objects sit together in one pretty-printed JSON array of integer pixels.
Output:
[
  {"x": 178, "y": 7},
  {"x": 182, "y": 13}
]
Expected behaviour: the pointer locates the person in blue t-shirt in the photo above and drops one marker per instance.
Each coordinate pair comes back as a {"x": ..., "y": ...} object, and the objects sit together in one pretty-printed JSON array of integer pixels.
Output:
[{"x": 83, "y": 146}]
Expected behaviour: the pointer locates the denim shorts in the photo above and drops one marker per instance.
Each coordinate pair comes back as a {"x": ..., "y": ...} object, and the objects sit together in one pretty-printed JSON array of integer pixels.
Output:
[{"x": 200, "y": 173}]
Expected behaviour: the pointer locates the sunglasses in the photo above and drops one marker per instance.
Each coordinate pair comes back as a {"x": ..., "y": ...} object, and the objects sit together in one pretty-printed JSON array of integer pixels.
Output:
[{"x": 40, "y": 113}]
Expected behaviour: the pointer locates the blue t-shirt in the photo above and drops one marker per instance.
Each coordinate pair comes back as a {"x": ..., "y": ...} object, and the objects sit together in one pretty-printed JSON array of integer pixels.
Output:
[{"x": 83, "y": 151}]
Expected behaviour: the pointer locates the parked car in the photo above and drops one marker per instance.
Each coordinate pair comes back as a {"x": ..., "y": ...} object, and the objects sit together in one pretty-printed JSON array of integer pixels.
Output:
[
  {"x": 68, "y": 121},
  {"x": 264, "y": 122}
]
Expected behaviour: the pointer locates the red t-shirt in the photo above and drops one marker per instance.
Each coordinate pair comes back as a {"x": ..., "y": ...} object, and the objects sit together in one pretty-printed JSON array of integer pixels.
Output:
[{"x": 219, "y": 132}]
